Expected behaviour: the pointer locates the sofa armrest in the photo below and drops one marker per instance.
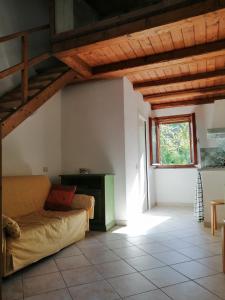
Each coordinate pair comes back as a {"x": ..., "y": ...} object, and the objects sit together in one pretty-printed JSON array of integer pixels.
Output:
[{"x": 84, "y": 202}]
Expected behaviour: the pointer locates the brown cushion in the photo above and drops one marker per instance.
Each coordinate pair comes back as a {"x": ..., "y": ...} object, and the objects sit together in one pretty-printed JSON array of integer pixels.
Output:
[{"x": 11, "y": 227}]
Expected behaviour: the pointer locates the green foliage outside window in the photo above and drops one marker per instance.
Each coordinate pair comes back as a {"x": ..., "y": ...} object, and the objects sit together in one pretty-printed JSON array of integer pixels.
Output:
[{"x": 175, "y": 144}]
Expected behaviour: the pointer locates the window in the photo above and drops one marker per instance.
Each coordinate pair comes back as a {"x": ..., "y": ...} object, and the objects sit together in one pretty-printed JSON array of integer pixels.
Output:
[{"x": 173, "y": 142}]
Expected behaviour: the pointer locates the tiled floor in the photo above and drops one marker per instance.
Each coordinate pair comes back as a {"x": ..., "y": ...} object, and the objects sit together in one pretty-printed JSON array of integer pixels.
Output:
[{"x": 163, "y": 255}]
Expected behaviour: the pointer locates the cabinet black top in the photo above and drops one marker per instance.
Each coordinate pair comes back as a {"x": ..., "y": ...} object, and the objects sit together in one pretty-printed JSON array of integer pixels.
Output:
[{"x": 86, "y": 175}]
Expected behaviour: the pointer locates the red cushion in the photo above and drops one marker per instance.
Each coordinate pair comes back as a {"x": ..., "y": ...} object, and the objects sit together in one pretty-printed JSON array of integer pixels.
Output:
[{"x": 60, "y": 197}]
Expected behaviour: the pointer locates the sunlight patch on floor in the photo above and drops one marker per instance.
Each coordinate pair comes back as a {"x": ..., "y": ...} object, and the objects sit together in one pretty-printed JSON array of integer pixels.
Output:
[{"x": 141, "y": 224}]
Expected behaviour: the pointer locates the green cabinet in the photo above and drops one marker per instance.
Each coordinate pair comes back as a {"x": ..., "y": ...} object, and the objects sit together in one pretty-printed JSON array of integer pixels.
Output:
[{"x": 101, "y": 186}]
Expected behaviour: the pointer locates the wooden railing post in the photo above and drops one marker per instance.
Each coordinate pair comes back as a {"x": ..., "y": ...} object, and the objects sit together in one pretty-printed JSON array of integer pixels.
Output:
[{"x": 25, "y": 71}]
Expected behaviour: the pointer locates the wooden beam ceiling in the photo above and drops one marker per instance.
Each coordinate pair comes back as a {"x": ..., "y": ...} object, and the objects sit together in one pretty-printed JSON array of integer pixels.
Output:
[
  {"x": 173, "y": 96},
  {"x": 136, "y": 65},
  {"x": 139, "y": 26},
  {"x": 199, "y": 101},
  {"x": 146, "y": 86},
  {"x": 176, "y": 54}
]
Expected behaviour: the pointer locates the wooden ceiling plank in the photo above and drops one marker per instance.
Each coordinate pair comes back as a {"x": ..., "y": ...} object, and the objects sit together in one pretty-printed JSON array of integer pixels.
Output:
[
  {"x": 164, "y": 20},
  {"x": 206, "y": 100},
  {"x": 165, "y": 97},
  {"x": 143, "y": 86},
  {"x": 221, "y": 28},
  {"x": 186, "y": 55}
]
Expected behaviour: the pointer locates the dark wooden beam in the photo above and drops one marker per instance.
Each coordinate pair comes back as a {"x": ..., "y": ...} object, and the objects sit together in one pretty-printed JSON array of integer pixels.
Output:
[
  {"x": 32, "y": 105},
  {"x": 165, "y": 59},
  {"x": 170, "y": 82},
  {"x": 137, "y": 25},
  {"x": 173, "y": 96},
  {"x": 203, "y": 100}
]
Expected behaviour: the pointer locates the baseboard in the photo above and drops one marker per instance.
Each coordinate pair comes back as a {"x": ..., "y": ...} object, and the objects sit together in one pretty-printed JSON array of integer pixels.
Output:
[
  {"x": 173, "y": 204},
  {"x": 121, "y": 222}
]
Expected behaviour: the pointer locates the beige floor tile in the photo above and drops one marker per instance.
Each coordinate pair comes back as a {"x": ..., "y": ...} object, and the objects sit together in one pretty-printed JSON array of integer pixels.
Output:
[
  {"x": 171, "y": 257},
  {"x": 193, "y": 269},
  {"x": 213, "y": 262},
  {"x": 215, "y": 284},
  {"x": 81, "y": 276},
  {"x": 195, "y": 252},
  {"x": 215, "y": 248},
  {"x": 68, "y": 251},
  {"x": 152, "y": 295},
  {"x": 165, "y": 276},
  {"x": 145, "y": 262},
  {"x": 102, "y": 257},
  {"x": 71, "y": 262},
  {"x": 138, "y": 240},
  {"x": 116, "y": 244},
  {"x": 131, "y": 284},
  {"x": 154, "y": 247},
  {"x": 99, "y": 290},
  {"x": 115, "y": 268},
  {"x": 55, "y": 295},
  {"x": 12, "y": 288},
  {"x": 188, "y": 291},
  {"x": 89, "y": 244},
  {"x": 42, "y": 267},
  {"x": 129, "y": 252},
  {"x": 89, "y": 252},
  {"x": 42, "y": 284},
  {"x": 176, "y": 244}
]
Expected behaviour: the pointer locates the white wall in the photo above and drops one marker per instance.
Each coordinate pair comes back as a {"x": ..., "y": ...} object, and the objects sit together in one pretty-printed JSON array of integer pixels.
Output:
[
  {"x": 100, "y": 132},
  {"x": 93, "y": 133},
  {"x": 36, "y": 143},
  {"x": 178, "y": 185},
  {"x": 134, "y": 107}
]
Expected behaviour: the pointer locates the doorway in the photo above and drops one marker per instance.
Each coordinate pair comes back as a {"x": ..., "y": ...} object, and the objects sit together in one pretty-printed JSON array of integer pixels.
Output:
[{"x": 142, "y": 163}]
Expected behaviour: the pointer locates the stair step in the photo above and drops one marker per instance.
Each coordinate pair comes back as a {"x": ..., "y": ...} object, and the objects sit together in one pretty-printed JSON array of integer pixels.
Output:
[
  {"x": 7, "y": 109},
  {"x": 11, "y": 104},
  {"x": 51, "y": 77},
  {"x": 3, "y": 115},
  {"x": 39, "y": 84},
  {"x": 57, "y": 70}
]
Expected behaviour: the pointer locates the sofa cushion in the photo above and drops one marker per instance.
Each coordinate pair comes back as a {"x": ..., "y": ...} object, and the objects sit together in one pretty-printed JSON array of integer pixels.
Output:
[
  {"x": 60, "y": 197},
  {"x": 44, "y": 233},
  {"x": 11, "y": 227}
]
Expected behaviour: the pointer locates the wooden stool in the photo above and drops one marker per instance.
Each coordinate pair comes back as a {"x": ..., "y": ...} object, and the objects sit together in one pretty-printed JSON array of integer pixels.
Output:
[{"x": 214, "y": 204}]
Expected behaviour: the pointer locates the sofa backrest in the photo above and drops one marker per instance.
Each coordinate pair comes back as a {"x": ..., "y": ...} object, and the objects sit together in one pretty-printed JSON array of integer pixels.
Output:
[{"x": 22, "y": 195}]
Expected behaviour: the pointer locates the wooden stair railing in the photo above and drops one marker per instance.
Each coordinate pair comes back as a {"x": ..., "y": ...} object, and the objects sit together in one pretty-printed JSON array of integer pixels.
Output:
[
  {"x": 23, "y": 66},
  {"x": 19, "y": 103}
]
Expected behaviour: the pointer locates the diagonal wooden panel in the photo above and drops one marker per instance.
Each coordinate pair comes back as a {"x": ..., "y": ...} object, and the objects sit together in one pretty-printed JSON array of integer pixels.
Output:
[{"x": 31, "y": 106}]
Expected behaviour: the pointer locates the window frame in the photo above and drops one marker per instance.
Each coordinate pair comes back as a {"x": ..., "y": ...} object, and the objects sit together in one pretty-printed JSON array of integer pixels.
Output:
[{"x": 190, "y": 118}]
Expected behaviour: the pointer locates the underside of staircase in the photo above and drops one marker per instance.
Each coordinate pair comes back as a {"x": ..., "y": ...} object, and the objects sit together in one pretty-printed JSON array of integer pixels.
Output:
[
  {"x": 13, "y": 110},
  {"x": 33, "y": 91}
]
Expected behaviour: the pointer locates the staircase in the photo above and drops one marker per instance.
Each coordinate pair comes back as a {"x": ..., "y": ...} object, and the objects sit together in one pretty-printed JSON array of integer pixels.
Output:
[{"x": 21, "y": 102}]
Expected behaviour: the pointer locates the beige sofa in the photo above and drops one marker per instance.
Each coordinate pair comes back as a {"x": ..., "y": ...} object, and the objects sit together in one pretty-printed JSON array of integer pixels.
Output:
[{"x": 42, "y": 232}]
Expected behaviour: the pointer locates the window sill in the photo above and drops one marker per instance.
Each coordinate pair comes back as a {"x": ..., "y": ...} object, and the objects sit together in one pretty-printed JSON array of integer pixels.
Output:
[{"x": 174, "y": 166}]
